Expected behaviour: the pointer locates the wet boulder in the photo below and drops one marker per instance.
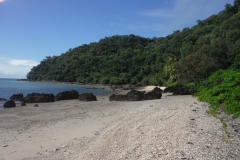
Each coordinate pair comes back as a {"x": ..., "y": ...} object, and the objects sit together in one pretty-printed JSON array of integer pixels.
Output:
[
  {"x": 39, "y": 98},
  {"x": 67, "y": 95},
  {"x": 87, "y": 97},
  {"x": 9, "y": 104}
]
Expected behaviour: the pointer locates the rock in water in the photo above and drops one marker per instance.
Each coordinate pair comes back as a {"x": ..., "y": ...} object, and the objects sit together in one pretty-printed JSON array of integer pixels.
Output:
[
  {"x": 9, "y": 104},
  {"x": 18, "y": 96},
  {"x": 87, "y": 97}
]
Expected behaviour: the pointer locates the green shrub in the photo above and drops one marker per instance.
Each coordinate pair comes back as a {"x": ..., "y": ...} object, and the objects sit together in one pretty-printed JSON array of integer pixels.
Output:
[
  {"x": 104, "y": 80},
  {"x": 114, "y": 80},
  {"x": 222, "y": 90}
]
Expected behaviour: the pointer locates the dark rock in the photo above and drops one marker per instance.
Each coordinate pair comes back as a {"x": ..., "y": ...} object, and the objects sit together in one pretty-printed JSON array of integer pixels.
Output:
[
  {"x": 190, "y": 143},
  {"x": 152, "y": 95},
  {"x": 39, "y": 98},
  {"x": 66, "y": 95},
  {"x": 3, "y": 99},
  {"x": 178, "y": 90},
  {"x": 87, "y": 97},
  {"x": 134, "y": 95},
  {"x": 156, "y": 93},
  {"x": 157, "y": 90},
  {"x": 18, "y": 96},
  {"x": 115, "y": 97},
  {"x": 35, "y": 105},
  {"x": 9, "y": 104},
  {"x": 23, "y": 104}
]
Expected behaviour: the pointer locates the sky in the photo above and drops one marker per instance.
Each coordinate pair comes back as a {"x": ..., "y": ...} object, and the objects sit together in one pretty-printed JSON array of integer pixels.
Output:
[{"x": 30, "y": 30}]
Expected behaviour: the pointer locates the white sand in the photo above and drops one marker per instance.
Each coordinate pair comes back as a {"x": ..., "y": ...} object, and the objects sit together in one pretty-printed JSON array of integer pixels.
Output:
[{"x": 158, "y": 129}]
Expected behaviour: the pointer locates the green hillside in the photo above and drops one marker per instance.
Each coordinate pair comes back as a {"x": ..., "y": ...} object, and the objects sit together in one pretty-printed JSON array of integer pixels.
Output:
[{"x": 184, "y": 56}]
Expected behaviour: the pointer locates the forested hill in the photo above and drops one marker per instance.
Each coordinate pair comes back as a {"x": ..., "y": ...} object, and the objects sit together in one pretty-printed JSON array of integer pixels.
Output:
[{"x": 184, "y": 56}]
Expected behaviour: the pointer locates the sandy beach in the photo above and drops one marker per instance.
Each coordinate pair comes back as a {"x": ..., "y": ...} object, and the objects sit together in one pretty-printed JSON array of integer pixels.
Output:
[{"x": 173, "y": 127}]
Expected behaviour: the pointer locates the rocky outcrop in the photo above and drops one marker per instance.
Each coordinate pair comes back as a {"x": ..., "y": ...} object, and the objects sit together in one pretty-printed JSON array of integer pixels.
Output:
[
  {"x": 87, "y": 97},
  {"x": 67, "y": 95},
  {"x": 18, "y": 97},
  {"x": 178, "y": 90},
  {"x": 134, "y": 95},
  {"x": 3, "y": 99},
  {"x": 39, "y": 98},
  {"x": 9, "y": 104}
]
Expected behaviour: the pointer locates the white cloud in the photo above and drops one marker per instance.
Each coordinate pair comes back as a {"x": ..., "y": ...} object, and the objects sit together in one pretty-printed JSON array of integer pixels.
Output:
[
  {"x": 15, "y": 68},
  {"x": 21, "y": 62},
  {"x": 2, "y": 1}
]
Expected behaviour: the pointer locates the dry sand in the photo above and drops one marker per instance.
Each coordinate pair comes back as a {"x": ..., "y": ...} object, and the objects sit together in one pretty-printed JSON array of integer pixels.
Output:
[{"x": 174, "y": 127}]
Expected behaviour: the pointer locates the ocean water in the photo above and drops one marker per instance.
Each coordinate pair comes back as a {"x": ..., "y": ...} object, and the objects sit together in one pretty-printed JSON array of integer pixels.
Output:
[{"x": 8, "y": 87}]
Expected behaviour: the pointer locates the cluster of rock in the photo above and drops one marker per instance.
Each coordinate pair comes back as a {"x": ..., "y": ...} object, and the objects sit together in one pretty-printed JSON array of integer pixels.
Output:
[
  {"x": 177, "y": 90},
  {"x": 134, "y": 95},
  {"x": 41, "y": 98}
]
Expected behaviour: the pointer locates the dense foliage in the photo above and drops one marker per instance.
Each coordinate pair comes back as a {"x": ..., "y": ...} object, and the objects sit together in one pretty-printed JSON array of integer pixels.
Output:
[
  {"x": 184, "y": 56},
  {"x": 222, "y": 90}
]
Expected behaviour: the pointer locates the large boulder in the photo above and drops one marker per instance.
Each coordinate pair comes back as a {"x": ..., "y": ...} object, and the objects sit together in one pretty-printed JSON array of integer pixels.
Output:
[
  {"x": 134, "y": 95},
  {"x": 152, "y": 95},
  {"x": 67, "y": 95},
  {"x": 18, "y": 97},
  {"x": 9, "y": 104},
  {"x": 157, "y": 90},
  {"x": 156, "y": 93},
  {"x": 87, "y": 97},
  {"x": 39, "y": 98}
]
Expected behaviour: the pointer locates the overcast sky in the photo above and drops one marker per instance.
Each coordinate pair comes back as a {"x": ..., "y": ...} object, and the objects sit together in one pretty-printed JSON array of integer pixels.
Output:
[{"x": 30, "y": 30}]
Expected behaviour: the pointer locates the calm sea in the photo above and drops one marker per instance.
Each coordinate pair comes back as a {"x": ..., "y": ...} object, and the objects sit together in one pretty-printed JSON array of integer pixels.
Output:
[{"x": 8, "y": 87}]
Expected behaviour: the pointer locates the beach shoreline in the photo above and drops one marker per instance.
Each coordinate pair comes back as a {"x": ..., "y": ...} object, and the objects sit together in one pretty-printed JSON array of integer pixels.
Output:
[{"x": 171, "y": 127}]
